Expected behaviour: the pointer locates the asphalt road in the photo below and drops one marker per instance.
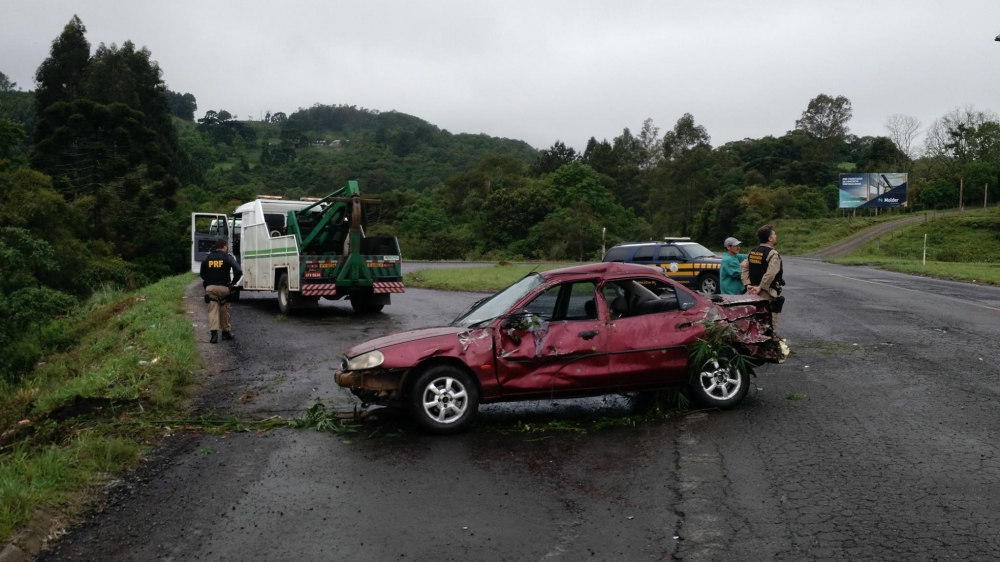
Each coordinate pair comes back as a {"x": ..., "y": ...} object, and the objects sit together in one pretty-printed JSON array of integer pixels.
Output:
[{"x": 877, "y": 440}]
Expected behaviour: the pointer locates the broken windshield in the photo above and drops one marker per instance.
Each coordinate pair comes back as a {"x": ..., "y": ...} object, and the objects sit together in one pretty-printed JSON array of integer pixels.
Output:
[{"x": 492, "y": 307}]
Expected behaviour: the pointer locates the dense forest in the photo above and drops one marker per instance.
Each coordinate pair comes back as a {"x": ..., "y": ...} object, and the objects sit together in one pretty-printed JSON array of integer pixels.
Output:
[{"x": 101, "y": 165}]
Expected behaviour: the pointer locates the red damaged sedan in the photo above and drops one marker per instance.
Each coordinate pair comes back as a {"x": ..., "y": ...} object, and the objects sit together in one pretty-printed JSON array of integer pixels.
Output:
[{"x": 581, "y": 331}]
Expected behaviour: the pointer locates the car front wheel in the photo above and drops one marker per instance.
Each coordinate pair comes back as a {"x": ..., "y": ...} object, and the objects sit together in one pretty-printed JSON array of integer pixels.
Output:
[
  {"x": 719, "y": 384},
  {"x": 444, "y": 399}
]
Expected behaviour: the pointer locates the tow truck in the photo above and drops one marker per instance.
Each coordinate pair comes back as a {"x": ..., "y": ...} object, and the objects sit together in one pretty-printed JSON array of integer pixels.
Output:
[{"x": 305, "y": 250}]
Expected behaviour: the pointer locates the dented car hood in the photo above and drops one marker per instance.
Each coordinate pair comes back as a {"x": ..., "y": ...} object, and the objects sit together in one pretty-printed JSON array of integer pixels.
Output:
[{"x": 408, "y": 336}]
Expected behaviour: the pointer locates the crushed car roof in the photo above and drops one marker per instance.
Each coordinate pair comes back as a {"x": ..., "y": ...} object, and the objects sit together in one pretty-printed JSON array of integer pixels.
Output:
[{"x": 602, "y": 268}]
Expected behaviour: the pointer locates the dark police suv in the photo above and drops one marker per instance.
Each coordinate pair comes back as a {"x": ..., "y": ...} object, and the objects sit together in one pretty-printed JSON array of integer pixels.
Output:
[{"x": 682, "y": 260}]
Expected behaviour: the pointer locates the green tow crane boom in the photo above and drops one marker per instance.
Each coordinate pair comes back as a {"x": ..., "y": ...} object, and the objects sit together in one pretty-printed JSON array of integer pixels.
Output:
[{"x": 334, "y": 250}]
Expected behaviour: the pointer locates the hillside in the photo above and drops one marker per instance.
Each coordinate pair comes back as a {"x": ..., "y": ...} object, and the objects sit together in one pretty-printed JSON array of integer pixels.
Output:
[
  {"x": 320, "y": 148},
  {"x": 964, "y": 247}
]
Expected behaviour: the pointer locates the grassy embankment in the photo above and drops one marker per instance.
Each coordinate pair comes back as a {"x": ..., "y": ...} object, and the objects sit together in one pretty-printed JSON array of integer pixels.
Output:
[
  {"x": 116, "y": 364},
  {"x": 963, "y": 247},
  {"x": 481, "y": 279},
  {"x": 801, "y": 236}
]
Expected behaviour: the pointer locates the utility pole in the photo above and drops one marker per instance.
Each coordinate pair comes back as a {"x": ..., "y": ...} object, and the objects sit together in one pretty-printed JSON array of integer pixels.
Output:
[
  {"x": 961, "y": 187},
  {"x": 986, "y": 190}
]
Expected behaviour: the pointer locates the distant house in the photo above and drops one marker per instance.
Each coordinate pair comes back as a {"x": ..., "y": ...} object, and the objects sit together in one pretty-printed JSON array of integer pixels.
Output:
[
  {"x": 320, "y": 142},
  {"x": 335, "y": 143}
]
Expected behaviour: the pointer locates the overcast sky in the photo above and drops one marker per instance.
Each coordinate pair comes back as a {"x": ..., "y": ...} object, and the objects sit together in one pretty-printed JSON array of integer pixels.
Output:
[{"x": 541, "y": 71}]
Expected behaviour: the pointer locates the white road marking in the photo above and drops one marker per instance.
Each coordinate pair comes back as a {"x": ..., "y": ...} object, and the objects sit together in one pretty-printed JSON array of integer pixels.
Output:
[{"x": 883, "y": 284}]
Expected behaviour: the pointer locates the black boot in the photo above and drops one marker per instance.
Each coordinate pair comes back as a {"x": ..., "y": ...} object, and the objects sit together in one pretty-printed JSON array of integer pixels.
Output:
[
  {"x": 215, "y": 337},
  {"x": 227, "y": 335}
]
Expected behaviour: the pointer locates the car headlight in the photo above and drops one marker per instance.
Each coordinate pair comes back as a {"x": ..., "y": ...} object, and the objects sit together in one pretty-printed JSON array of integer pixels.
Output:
[{"x": 364, "y": 361}]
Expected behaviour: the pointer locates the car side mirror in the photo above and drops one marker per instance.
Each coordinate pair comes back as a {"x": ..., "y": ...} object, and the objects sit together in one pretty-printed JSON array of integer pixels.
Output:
[{"x": 518, "y": 321}]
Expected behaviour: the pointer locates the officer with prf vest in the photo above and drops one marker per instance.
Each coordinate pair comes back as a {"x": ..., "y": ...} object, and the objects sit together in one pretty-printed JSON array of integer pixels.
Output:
[
  {"x": 762, "y": 273},
  {"x": 220, "y": 272}
]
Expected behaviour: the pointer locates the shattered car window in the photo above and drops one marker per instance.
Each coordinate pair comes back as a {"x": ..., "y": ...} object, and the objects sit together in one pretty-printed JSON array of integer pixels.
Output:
[{"x": 499, "y": 303}]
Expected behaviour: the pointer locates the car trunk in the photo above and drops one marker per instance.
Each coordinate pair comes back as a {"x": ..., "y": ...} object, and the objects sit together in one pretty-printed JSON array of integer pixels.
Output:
[{"x": 750, "y": 316}]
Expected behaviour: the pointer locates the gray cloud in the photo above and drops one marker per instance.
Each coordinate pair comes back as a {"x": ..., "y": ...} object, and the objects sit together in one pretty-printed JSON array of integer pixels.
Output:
[{"x": 542, "y": 71}]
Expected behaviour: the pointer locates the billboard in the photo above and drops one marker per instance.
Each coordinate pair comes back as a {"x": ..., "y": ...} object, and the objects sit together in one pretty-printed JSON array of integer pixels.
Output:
[{"x": 883, "y": 189}]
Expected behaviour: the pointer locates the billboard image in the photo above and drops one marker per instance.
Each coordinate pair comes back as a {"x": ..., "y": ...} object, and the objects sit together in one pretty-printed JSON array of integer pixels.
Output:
[{"x": 882, "y": 189}]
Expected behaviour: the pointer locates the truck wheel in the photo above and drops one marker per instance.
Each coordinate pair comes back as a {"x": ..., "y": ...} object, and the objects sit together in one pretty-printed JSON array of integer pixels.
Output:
[
  {"x": 444, "y": 399},
  {"x": 234, "y": 295},
  {"x": 709, "y": 283},
  {"x": 284, "y": 295},
  {"x": 362, "y": 305}
]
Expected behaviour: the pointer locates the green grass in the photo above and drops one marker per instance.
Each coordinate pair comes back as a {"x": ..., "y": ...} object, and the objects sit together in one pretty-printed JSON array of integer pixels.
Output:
[
  {"x": 801, "y": 236},
  {"x": 964, "y": 247},
  {"x": 127, "y": 359},
  {"x": 482, "y": 279},
  {"x": 975, "y": 272}
]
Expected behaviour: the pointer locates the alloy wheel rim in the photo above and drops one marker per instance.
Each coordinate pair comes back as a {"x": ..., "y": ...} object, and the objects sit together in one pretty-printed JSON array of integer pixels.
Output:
[
  {"x": 708, "y": 285},
  {"x": 720, "y": 382},
  {"x": 445, "y": 400}
]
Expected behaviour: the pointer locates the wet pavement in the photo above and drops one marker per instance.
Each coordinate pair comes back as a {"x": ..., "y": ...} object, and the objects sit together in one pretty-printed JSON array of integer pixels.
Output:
[{"x": 877, "y": 440}]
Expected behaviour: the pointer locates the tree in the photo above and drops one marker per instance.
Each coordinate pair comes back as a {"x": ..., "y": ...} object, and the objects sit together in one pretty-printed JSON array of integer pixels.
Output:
[
  {"x": 6, "y": 85},
  {"x": 826, "y": 117},
  {"x": 552, "y": 159},
  {"x": 11, "y": 135},
  {"x": 903, "y": 131},
  {"x": 510, "y": 213},
  {"x": 883, "y": 155},
  {"x": 279, "y": 118},
  {"x": 600, "y": 156},
  {"x": 684, "y": 137},
  {"x": 182, "y": 105},
  {"x": 630, "y": 158},
  {"x": 651, "y": 143},
  {"x": 109, "y": 143},
  {"x": 60, "y": 75},
  {"x": 951, "y": 127}
]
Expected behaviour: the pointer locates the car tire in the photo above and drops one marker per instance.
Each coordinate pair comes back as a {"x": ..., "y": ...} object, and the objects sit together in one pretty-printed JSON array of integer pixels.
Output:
[
  {"x": 708, "y": 283},
  {"x": 718, "y": 384},
  {"x": 284, "y": 295},
  {"x": 444, "y": 399}
]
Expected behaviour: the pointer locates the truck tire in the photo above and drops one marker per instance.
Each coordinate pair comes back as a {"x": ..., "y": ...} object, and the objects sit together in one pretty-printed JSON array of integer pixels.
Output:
[
  {"x": 234, "y": 295},
  {"x": 284, "y": 295}
]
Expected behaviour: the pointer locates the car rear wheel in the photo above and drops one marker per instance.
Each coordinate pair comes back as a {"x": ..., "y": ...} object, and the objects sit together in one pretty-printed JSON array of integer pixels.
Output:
[
  {"x": 444, "y": 399},
  {"x": 709, "y": 283},
  {"x": 719, "y": 384}
]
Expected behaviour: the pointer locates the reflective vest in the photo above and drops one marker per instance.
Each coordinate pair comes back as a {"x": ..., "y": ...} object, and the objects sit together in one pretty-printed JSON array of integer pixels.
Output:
[
  {"x": 757, "y": 265},
  {"x": 217, "y": 268}
]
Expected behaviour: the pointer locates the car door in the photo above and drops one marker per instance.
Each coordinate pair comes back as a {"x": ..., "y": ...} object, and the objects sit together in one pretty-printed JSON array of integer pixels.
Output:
[
  {"x": 650, "y": 328},
  {"x": 676, "y": 265},
  {"x": 556, "y": 344},
  {"x": 206, "y": 229}
]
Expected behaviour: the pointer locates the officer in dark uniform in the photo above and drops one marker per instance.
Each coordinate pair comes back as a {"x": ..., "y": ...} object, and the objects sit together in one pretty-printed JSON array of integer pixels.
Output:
[
  {"x": 220, "y": 272},
  {"x": 763, "y": 274}
]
